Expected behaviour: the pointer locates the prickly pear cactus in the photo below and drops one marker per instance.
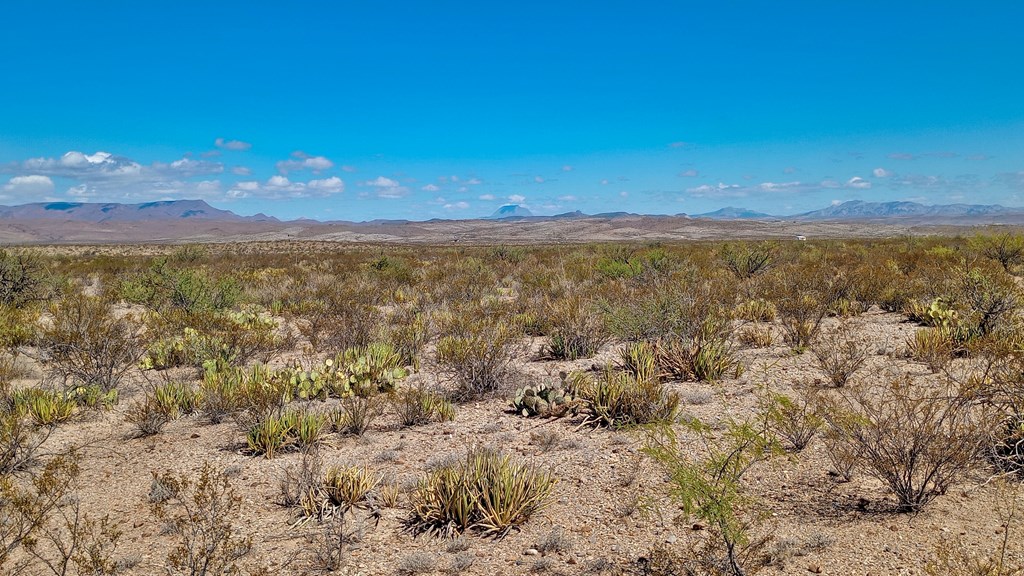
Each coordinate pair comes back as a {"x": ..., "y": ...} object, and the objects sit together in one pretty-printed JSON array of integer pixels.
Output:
[{"x": 544, "y": 400}]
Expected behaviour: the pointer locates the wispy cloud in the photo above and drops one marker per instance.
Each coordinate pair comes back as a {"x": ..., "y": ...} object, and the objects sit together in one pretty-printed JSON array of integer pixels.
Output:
[
  {"x": 881, "y": 173},
  {"x": 236, "y": 145},
  {"x": 691, "y": 173}
]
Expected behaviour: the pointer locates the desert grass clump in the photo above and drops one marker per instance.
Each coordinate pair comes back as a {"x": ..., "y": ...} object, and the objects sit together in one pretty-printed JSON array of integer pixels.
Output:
[
  {"x": 349, "y": 486},
  {"x": 932, "y": 346},
  {"x": 756, "y": 336},
  {"x": 293, "y": 429},
  {"x": 916, "y": 441},
  {"x": 620, "y": 399},
  {"x": 415, "y": 405},
  {"x": 840, "y": 355},
  {"x": 487, "y": 492},
  {"x": 756, "y": 310}
]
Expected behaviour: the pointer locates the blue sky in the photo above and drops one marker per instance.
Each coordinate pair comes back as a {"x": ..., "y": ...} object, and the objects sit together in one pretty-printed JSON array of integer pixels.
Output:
[{"x": 362, "y": 110}]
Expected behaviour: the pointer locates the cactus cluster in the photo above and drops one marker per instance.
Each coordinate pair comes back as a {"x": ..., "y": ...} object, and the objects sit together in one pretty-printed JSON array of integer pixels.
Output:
[
  {"x": 938, "y": 314},
  {"x": 542, "y": 400}
]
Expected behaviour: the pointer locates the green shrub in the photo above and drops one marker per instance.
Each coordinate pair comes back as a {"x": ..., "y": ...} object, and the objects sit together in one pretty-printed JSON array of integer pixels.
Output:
[
  {"x": 576, "y": 329},
  {"x": 711, "y": 491}
]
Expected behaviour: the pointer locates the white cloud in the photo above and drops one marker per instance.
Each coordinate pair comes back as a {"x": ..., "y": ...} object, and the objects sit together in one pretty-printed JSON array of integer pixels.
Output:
[
  {"x": 568, "y": 198},
  {"x": 858, "y": 182},
  {"x": 836, "y": 202},
  {"x": 457, "y": 206},
  {"x": 517, "y": 198},
  {"x": 720, "y": 189},
  {"x": 231, "y": 144},
  {"x": 332, "y": 185},
  {"x": 348, "y": 168},
  {"x": 278, "y": 182},
  {"x": 241, "y": 171},
  {"x": 387, "y": 188},
  {"x": 487, "y": 197},
  {"x": 624, "y": 194},
  {"x": 302, "y": 161},
  {"x": 30, "y": 186},
  {"x": 604, "y": 182},
  {"x": 881, "y": 173},
  {"x": 431, "y": 188},
  {"x": 689, "y": 173},
  {"x": 474, "y": 182}
]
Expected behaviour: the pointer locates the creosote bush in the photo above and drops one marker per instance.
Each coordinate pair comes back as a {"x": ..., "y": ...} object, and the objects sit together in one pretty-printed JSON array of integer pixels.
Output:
[
  {"x": 476, "y": 351},
  {"x": 840, "y": 355},
  {"x": 201, "y": 511},
  {"x": 87, "y": 344},
  {"x": 915, "y": 440}
]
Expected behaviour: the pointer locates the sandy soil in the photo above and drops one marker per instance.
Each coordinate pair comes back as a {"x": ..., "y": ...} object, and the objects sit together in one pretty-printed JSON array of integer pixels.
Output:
[{"x": 610, "y": 503}]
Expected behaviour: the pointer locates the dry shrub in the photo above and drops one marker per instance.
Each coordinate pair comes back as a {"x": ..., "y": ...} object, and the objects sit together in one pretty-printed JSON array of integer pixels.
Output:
[
  {"x": 794, "y": 420},
  {"x": 915, "y": 440},
  {"x": 803, "y": 294},
  {"x": 415, "y": 405},
  {"x": 357, "y": 414},
  {"x": 23, "y": 278},
  {"x": 201, "y": 511},
  {"x": 576, "y": 328},
  {"x": 840, "y": 355},
  {"x": 88, "y": 345},
  {"x": 476, "y": 351}
]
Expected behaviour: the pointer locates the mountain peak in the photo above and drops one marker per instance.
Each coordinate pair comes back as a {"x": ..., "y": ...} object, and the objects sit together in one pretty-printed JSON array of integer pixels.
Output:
[{"x": 510, "y": 211}]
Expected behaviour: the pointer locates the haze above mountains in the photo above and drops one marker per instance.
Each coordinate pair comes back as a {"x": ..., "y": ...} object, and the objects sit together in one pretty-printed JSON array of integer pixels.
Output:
[{"x": 195, "y": 220}]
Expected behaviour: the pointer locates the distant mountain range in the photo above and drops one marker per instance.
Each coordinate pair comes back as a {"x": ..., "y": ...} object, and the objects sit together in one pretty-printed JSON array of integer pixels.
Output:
[
  {"x": 113, "y": 212},
  {"x": 185, "y": 210}
]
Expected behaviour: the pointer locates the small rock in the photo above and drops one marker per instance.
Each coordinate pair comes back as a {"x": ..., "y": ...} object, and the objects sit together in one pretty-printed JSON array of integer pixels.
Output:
[
  {"x": 814, "y": 569},
  {"x": 571, "y": 560},
  {"x": 671, "y": 539},
  {"x": 531, "y": 552}
]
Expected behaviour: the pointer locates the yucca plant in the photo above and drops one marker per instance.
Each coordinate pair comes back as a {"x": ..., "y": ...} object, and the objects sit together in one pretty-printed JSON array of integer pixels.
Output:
[
  {"x": 348, "y": 487},
  {"x": 487, "y": 492},
  {"x": 712, "y": 359},
  {"x": 268, "y": 436},
  {"x": 620, "y": 399},
  {"x": 44, "y": 407}
]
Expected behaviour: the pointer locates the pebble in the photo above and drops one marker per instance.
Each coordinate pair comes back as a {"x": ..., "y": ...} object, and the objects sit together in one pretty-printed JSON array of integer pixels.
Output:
[
  {"x": 814, "y": 569},
  {"x": 531, "y": 552},
  {"x": 671, "y": 539}
]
